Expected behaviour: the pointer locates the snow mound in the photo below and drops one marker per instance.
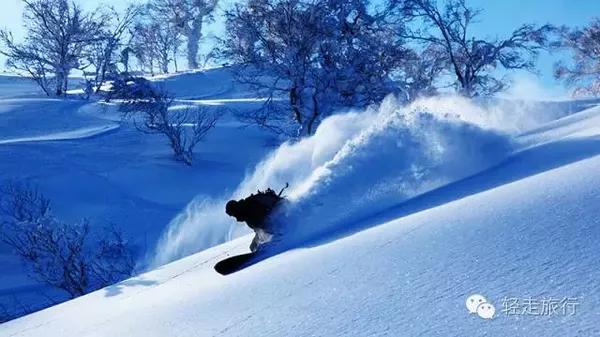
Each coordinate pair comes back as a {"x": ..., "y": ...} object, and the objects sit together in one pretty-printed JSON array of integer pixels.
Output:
[
  {"x": 45, "y": 119},
  {"x": 355, "y": 165},
  {"x": 16, "y": 86},
  {"x": 211, "y": 83},
  {"x": 583, "y": 124}
]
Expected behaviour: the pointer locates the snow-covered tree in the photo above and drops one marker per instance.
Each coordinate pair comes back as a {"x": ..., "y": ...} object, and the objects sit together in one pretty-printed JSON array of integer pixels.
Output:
[
  {"x": 56, "y": 34},
  {"x": 318, "y": 55},
  {"x": 189, "y": 17},
  {"x": 154, "y": 43},
  {"x": 167, "y": 46},
  {"x": 583, "y": 73},
  {"x": 143, "y": 46},
  {"x": 471, "y": 60},
  {"x": 101, "y": 55},
  {"x": 418, "y": 75}
]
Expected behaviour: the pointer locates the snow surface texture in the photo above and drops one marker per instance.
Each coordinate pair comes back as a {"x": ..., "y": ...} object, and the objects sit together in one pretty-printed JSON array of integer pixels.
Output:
[
  {"x": 95, "y": 167},
  {"x": 44, "y": 119},
  {"x": 16, "y": 86},
  {"x": 396, "y": 152},
  {"x": 525, "y": 228},
  {"x": 356, "y": 164}
]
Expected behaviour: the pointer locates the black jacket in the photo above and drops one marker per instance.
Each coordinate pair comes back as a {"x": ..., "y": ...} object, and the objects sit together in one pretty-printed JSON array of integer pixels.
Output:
[{"x": 255, "y": 209}]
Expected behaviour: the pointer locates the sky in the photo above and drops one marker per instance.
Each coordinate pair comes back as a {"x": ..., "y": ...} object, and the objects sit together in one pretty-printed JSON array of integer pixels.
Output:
[{"x": 499, "y": 18}]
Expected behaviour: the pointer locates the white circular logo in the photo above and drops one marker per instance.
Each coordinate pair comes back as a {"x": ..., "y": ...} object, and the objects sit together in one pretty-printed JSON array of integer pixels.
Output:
[
  {"x": 477, "y": 304},
  {"x": 486, "y": 310},
  {"x": 474, "y": 301}
]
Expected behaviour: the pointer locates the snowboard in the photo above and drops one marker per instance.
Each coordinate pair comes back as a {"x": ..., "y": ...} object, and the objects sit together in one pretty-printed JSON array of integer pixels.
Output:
[{"x": 234, "y": 263}]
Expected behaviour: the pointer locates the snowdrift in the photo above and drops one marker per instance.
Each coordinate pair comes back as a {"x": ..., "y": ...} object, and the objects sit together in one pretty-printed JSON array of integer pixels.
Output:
[
  {"x": 355, "y": 165},
  {"x": 17, "y": 86},
  {"x": 47, "y": 119},
  {"x": 205, "y": 84}
]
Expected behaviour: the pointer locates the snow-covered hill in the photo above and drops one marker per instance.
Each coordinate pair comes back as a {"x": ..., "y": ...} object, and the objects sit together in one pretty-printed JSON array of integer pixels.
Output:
[
  {"x": 93, "y": 166},
  {"x": 16, "y": 86},
  {"x": 525, "y": 227}
]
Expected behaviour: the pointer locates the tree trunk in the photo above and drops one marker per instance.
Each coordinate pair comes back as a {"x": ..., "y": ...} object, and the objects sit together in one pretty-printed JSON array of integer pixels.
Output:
[
  {"x": 295, "y": 102},
  {"x": 193, "y": 41},
  {"x": 315, "y": 114},
  {"x": 467, "y": 87},
  {"x": 60, "y": 82},
  {"x": 175, "y": 61},
  {"x": 164, "y": 63},
  {"x": 192, "y": 53}
]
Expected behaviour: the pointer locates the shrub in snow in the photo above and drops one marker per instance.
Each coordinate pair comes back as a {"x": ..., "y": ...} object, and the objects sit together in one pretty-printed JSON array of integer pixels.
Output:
[
  {"x": 64, "y": 256},
  {"x": 183, "y": 128},
  {"x": 130, "y": 88}
]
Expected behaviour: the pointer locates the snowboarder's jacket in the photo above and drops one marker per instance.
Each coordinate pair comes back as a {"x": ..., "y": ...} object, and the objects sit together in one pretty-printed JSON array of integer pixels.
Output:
[{"x": 254, "y": 211}]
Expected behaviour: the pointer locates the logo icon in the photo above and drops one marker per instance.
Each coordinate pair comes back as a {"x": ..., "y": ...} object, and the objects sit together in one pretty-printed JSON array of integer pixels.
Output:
[{"x": 477, "y": 304}]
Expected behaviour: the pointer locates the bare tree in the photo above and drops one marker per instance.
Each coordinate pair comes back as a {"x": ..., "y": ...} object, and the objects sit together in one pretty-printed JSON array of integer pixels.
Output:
[
  {"x": 57, "y": 32},
  {"x": 101, "y": 54},
  {"x": 274, "y": 43},
  {"x": 59, "y": 254},
  {"x": 471, "y": 60},
  {"x": 583, "y": 73},
  {"x": 143, "y": 45},
  {"x": 309, "y": 58},
  {"x": 417, "y": 75},
  {"x": 188, "y": 16},
  {"x": 155, "y": 39},
  {"x": 22, "y": 203},
  {"x": 184, "y": 128},
  {"x": 167, "y": 46},
  {"x": 112, "y": 258}
]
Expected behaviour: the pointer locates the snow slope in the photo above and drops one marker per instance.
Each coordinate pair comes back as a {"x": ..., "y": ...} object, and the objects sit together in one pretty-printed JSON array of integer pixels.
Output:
[
  {"x": 527, "y": 227},
  {"x": 206, "y": 84},
  {"x": 95, "y": 167},
  {"x": 362, "y": 162},
  {"x": 355, "y": 164},
  {"x": 43, "y": 119},
  {"x": 16, "y": 86}
]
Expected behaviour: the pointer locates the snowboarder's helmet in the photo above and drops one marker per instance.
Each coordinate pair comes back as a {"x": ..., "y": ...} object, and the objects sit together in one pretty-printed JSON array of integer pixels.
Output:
[{"x": 232, "y": 207}]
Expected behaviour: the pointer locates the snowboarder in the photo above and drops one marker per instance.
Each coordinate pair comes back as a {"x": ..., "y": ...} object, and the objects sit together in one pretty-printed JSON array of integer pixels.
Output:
[{"x": 254, "y": 211}]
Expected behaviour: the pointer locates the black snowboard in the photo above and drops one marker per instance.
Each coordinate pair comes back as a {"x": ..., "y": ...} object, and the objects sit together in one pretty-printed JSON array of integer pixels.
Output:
[{"x": 234, "y": 263}]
